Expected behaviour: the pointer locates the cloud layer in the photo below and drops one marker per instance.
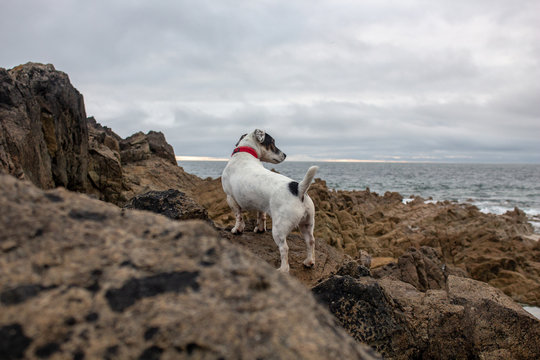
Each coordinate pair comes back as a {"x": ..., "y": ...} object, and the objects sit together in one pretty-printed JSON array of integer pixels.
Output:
[{"x": 409, "y": 80}]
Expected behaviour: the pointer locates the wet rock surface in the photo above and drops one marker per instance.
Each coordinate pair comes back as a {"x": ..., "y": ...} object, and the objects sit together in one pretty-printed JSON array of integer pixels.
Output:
[{"x": 85, "y": 279}]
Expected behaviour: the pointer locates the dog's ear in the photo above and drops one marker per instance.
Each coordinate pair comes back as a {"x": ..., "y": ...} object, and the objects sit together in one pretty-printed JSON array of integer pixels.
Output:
[
  {"x": 241, "y": 137},
  {"x": 260, "y": 135}
]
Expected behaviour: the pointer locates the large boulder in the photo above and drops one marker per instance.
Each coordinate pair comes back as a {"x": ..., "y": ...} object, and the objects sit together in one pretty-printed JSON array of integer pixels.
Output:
[
  {"x": 86, "y": 279},
  {"x": 432, "y": 315},
  {"x": 43, "y": 135}
]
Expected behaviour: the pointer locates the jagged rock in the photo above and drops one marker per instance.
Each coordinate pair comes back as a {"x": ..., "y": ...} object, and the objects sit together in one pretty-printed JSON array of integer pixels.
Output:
[
  {"x": 422, "y": 268},
  {"x": 43, "y": 135},
  {"x": 353, "y": 269},
  {"x": 160, "y": 147},
  {"x": 442, "y": 316},
  {"x": 104, "y": 168},
  {"x": 172, "y": 203},
  {"x": 139, "y": 147},
  {"x": 491, "y": 248},
  {"x": 85, "y": 279},
  {"x": 368, "y": 314}
]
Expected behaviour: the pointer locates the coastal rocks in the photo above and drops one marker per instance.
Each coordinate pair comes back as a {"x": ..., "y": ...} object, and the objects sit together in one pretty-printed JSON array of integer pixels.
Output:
[
  {"x": 104, "y": 166},
  {"x": 43, "y": 135},
  {"x": 46, "y": 138},
  {"x": 85, "y": 279},
  {"x": 172, "y": 203},
  {"x": 497, "y": 249},
  {"x": 454, "y": 317}
]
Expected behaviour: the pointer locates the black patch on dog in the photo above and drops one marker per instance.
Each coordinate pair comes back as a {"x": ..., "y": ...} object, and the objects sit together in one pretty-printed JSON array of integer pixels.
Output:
[
  {"x": 270, "y": 144},
  {"x": 241, "y": 137},
  {"x": 293, "y": 188},
  {"x": 13, "y": 342},
  {"x": 136, "y": 289}
]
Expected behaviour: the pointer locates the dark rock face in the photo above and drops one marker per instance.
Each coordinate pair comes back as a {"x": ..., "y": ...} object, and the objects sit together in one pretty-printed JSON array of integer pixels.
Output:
[
  {"x": 368, "y": 314},
  {"x": 418, "y": 309},
  {"x": 172, "y": 203},
  {"x": 43, "y": 135},
  {"x": 46, "y": 138},
  {"x": 85, "y": 279}
]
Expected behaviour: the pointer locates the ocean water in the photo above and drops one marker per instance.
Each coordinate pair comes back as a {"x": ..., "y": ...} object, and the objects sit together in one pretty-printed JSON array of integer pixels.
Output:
[{"x": 493, "y": 188}]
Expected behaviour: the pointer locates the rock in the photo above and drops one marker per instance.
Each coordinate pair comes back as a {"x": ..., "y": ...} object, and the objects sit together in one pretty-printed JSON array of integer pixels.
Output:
[
  {"x": 442, "y": 316},
  {"x": 86, "y": 279},
  {"x": 491, "y": 248},
  {"x": 172, "y": 203},
  {"x": 353, "y": 269},
  {"x": 139, "y": 147},
  {"x": 105, "y": 172},
  {"x": 368, "y": 314},
  {"x": 421, "y": 268},
  {"x": 43, "y": 135},
  {"x": 160, "y": 147}
]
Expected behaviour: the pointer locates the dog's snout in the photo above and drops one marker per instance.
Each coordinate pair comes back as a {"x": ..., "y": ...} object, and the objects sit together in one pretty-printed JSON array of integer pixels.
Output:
[{"x": 284, "y": 156}]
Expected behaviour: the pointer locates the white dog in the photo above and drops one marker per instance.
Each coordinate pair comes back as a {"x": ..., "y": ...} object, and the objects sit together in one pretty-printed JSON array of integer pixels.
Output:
[{"x": 250, "y": 186}]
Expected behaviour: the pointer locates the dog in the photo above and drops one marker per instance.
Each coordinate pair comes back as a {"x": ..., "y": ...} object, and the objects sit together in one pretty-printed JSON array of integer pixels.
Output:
[{"x": 250, "y": 186}]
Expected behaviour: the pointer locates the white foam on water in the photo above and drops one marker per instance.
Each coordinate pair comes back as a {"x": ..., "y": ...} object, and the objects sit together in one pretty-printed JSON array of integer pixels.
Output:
[{"x": 533, "y": 310}]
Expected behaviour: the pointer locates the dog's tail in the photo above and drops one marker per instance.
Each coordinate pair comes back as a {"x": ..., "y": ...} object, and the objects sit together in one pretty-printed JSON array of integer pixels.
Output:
[{"x": 306, "y": 182}]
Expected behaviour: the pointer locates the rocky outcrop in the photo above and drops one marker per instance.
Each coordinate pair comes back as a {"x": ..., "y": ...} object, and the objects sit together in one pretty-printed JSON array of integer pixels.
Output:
[
  {"x": 420, "y": 311},
  {"x": 85, "y": 279},
  {"x": 43, "y": 135},
  {"x": 496, "y": 249},
  {"x": 46, "y": 138},
  {"x": 172, "y": 203}
]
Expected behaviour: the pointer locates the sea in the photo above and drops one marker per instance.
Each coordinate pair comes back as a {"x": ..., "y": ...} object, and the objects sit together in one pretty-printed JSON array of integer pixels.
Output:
[{"x": 493, "y": 188}]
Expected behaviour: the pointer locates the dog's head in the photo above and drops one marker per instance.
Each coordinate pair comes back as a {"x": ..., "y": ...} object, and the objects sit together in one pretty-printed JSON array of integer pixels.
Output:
[{"x": 265, "y": 146}]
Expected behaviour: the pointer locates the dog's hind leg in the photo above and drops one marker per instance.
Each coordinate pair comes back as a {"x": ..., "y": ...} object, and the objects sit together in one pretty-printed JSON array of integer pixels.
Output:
[
  {"x": 307, "y": 232},
  {"x": 240, "y": 224},
  {"x": 280, "y": 238},
  {"x": 306, "y": 226},
  {"x": 261, "y": 222}
]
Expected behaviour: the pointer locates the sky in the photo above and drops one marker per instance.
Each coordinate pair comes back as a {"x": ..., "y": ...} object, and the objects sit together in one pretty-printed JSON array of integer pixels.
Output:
[{"x": 407, "y": 80}]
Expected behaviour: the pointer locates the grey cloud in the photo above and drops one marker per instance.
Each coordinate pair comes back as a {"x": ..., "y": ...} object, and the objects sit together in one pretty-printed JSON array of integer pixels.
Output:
[{"x": 329, "y": 79}]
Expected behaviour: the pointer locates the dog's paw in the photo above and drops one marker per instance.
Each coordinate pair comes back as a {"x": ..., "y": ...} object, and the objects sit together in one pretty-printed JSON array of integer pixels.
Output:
[
  {"x": 236, "y": 232},
  {"x": 258, "y": 231}
]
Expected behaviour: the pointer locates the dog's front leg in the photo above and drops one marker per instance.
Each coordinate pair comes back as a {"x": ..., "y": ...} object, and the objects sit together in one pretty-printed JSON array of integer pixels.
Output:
[
  {"x": 240, "y": 224},
  {"x": 261, "y": 222}
]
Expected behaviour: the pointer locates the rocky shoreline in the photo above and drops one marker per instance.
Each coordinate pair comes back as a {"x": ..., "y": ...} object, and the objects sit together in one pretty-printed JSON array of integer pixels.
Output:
[{"x": 86, "y": 274}]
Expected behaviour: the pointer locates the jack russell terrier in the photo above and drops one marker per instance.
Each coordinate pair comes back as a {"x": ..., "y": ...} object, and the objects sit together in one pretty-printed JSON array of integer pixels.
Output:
[{"x": 250, "y": 186}]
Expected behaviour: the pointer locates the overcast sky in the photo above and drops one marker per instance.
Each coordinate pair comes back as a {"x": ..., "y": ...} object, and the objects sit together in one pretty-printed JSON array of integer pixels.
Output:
[{"x": 433, "y": 80}]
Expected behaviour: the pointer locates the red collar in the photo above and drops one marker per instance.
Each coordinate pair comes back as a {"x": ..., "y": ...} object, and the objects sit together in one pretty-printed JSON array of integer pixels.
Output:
[{"x": 246, "y": 149}]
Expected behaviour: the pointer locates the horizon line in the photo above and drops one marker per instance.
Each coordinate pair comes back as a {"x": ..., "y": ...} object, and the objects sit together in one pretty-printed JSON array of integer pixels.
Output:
[{"x": 210, "y": 158}]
